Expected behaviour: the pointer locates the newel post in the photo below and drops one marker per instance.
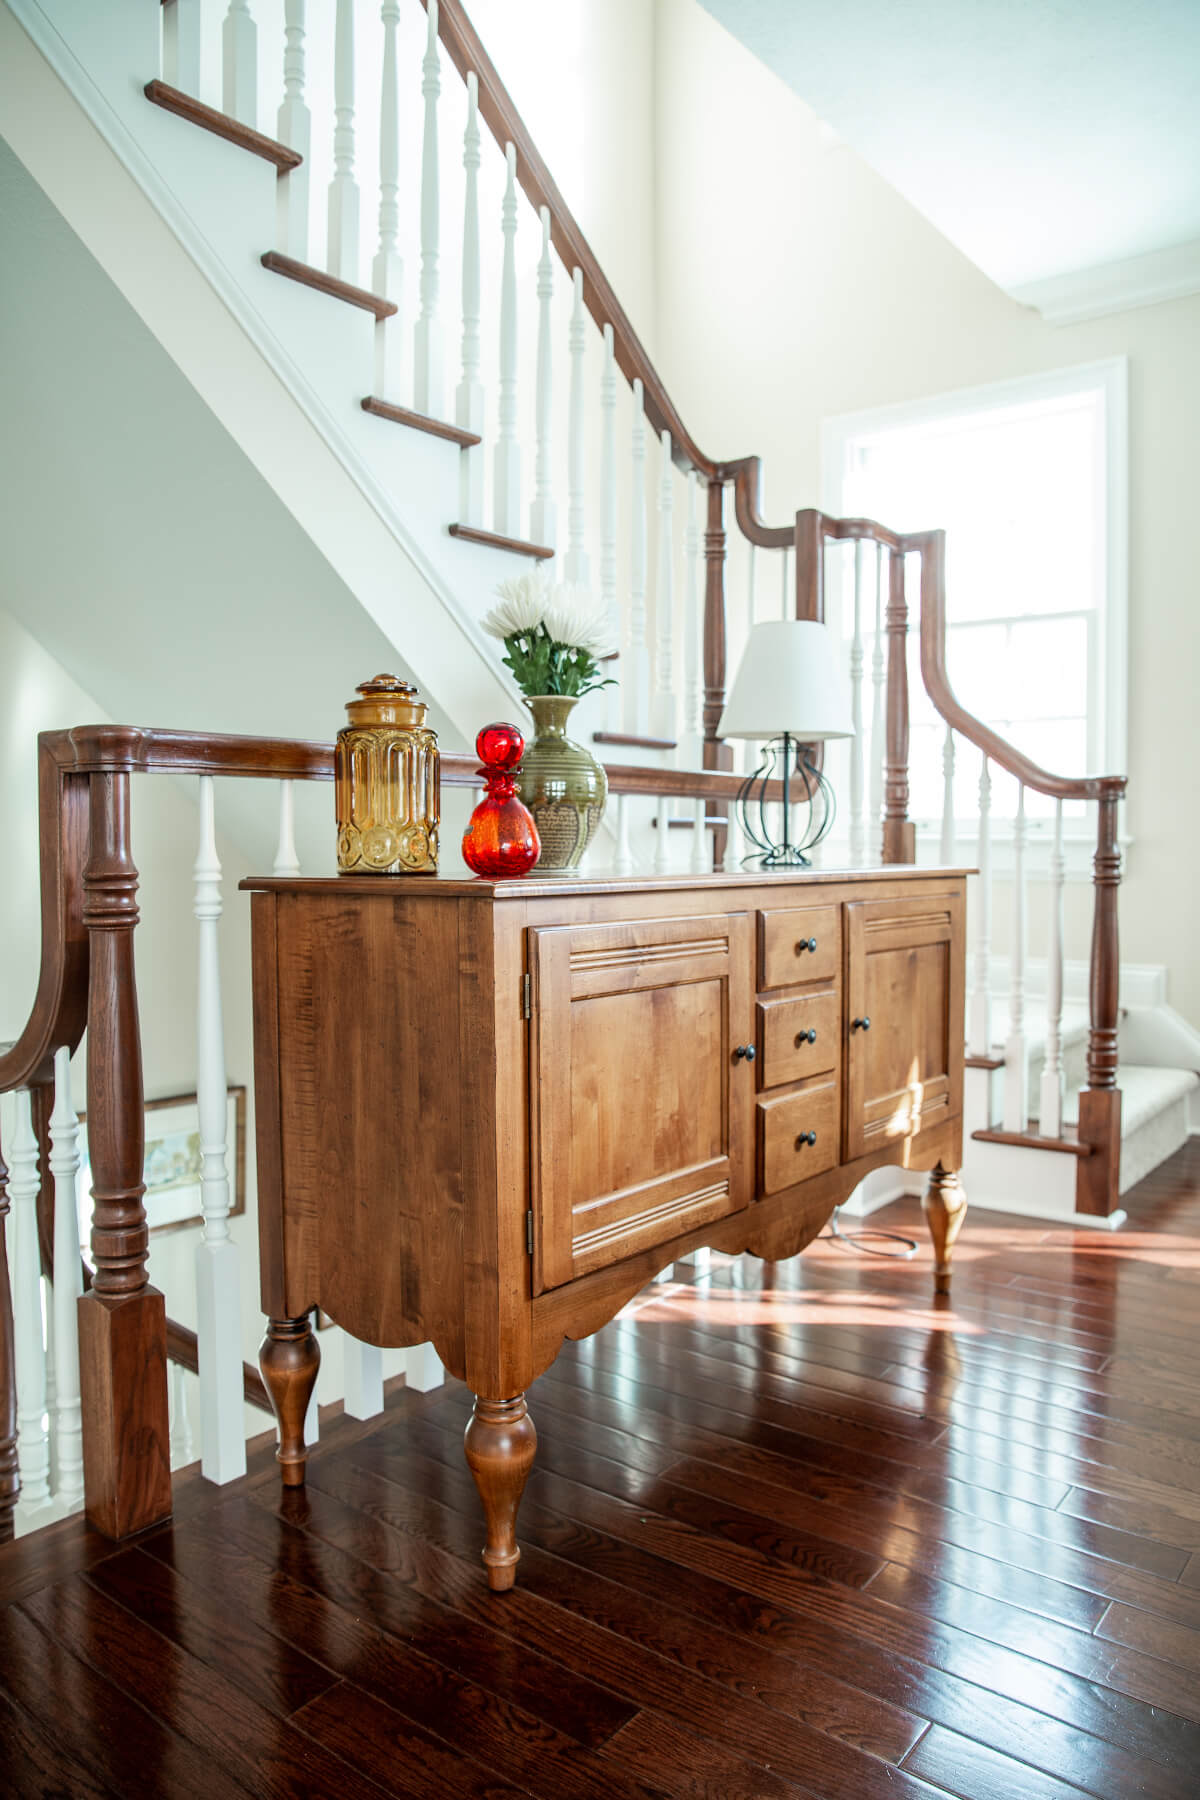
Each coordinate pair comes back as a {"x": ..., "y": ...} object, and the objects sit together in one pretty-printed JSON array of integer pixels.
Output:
[
  {"x": 1098, "y": 1178},
  {"x": 122, "y": 1320},
  {"x": 10, "y": 1480},
  {"x": 715, "y": 754},
  {"x": 899, "y": 832}
]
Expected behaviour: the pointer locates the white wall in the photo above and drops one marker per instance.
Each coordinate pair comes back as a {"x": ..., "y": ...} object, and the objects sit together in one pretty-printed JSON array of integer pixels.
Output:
[{"x": 794, "y": 285}]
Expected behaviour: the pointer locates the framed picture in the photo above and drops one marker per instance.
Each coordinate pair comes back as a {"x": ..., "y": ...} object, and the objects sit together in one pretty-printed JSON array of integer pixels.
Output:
[{"x": 172, "y": 1163}]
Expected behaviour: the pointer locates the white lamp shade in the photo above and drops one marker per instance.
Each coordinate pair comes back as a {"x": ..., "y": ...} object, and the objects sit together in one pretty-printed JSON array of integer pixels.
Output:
[{"x": 788, "y": 680}]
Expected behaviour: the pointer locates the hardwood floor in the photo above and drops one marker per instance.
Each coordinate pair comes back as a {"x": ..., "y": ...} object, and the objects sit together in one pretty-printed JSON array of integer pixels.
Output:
[{"x": 792, "y": 1530}]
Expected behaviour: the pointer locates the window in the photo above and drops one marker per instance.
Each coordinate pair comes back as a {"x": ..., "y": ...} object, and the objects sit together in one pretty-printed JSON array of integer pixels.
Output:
[{"x": 1028, "y": 480}]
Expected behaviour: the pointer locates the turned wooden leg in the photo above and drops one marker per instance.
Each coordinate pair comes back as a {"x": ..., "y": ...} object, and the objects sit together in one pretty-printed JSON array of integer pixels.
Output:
[
  {"x": 500, "y": 1443},
  {"x": 289, "y": 1357},
  {"x": 945, "y": 1206}
]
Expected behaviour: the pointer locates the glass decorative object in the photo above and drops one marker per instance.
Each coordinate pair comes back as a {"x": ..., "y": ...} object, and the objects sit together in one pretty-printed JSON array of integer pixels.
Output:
[
  {"x": 501, "y": 838},
  {"x": 563, "y": 786},
  {"x": 387, "y": 783}
]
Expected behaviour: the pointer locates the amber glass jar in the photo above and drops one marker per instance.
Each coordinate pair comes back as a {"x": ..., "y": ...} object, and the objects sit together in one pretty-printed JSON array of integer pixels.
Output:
[{"x": 387, "y": 783}]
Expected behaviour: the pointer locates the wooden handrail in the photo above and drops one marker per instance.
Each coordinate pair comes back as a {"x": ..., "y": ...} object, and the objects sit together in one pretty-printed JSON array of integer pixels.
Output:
[{"x": 183, "y": 1347}]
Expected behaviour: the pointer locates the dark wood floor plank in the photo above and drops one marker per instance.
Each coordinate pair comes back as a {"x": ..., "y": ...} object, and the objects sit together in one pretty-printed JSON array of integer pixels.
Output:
[
  {"x": 685, "y": 1764},
  {"x": 229, "y": 1732},
  {"x": 32, "y": 1764},
  {"x": 976, "y": 1773},
  {"x": 1160, "y": 1638},
  {"x": 1074, "y": 1705}
]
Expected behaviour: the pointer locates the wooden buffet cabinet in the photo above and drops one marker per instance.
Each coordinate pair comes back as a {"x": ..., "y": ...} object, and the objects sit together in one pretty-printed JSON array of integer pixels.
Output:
[{"x": 489, "y": 1112}]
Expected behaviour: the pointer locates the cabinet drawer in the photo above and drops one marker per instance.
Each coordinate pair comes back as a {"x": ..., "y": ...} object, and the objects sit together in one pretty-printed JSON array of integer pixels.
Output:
[
  {"x": 785, "y": 1155},
  {"x": 804, "y": 944},
  {"x": 799, "y": 1036}
]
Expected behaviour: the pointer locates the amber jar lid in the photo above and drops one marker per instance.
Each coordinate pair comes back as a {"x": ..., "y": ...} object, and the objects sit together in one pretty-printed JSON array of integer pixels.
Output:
[{"x": 387, "y": 701}]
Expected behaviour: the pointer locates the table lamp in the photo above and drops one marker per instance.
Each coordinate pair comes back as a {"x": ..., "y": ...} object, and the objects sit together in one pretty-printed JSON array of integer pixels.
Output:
[{"x": 790, "y": 694}]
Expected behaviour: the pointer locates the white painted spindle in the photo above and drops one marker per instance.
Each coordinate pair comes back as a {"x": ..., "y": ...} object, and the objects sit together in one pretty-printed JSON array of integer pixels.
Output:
[
  {"x": 662, "y": 840},
  {"x": 468, "y": 403},
  {"x": 577, "y": 570},
  {"x": 423, "y": 1369},
  {"x": 362, "y": 1376},
  {"x": 507, "y": 483},
  {"x": 946, "y": 846},
  {"x": 543, "y": 519},
  {"x": 666, "y": 721},
  {"x": 608, "y": 513},
  {"x": 182, "y": 1448},
  {"x": 239, "y": 47},
  {"x": 787, "y": 601},
  {"x": 1050, "y": 1108},
  {"x": 181, "y": 25},
  {"x": 29, "y": 1345},
  {"x": 979, "y": 1036},
  {"x": 623, "y": 858},
  {"x": 693, "y": 619},
  {"x": 218, "y": 1274},
  {"x": 751, "y": 584},
  {"x": 286, "y": 860},
  {"x": 878, "y": 738},
  {"x": 701, "y": 862},
  {"x": 343, "y": 242},
  {"x": 68, "y": 1284},
  {"x": 387, "y": 273},
  {"x": 636, "y": 678},
  {"x": 858, "y": 824},
  {"x": 1016, "y": 1073},
  {"x": 294, "y": 128},
  {"x": 735, "y": 840}
]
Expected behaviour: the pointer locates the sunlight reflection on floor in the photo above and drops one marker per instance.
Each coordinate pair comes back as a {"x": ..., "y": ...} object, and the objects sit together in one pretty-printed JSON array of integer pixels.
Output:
[{"x": 771, "y": 1306}]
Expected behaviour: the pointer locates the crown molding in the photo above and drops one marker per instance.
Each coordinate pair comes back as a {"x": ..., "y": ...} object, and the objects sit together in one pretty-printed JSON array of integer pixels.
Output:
[{"x": 1115, "y": 286}]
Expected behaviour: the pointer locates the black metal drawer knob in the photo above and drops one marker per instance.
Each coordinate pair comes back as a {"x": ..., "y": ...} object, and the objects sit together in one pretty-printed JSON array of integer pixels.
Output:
[
  {"x": 744, "y": 1053},
  {"x": 860, "y": 1024},
  {"x": 806, "y": 1137},
  {"x": 806, "y": 1037},
  {"x": 806, "y": 944}
]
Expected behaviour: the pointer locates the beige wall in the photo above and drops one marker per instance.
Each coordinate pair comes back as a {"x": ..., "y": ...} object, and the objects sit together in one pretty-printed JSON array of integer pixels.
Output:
[{"x": 794, "y": 284}]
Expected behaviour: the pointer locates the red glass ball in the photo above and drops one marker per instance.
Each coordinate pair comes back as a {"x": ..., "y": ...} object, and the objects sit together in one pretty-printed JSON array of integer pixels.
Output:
[
  {"x": 501, "y": 838},
  {"x": 500, "y": 746}
]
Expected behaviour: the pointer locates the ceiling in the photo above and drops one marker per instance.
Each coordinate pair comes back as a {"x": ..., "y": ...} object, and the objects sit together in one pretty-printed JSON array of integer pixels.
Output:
[{"x": 1050, "y": 140}]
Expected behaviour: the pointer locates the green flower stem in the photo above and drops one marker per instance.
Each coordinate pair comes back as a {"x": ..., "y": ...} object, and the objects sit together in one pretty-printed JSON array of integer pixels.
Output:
[{"x": 542, "y": 666}]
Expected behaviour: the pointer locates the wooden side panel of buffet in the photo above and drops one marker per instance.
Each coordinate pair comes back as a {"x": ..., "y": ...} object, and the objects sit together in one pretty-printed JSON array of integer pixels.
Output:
[{"x": 489, "y": 1112}]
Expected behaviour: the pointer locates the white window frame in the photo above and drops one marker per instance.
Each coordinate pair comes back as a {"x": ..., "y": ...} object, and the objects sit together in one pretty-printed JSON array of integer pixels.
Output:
[{"x": 1108, "y": 685}]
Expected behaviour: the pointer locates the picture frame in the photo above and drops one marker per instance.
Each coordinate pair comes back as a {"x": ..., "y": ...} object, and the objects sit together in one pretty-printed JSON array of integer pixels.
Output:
[{"x": 172, "y": 1164}]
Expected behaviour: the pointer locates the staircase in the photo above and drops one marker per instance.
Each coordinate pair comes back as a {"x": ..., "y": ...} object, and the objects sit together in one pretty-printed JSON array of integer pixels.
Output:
[{"x": 430, "y": 450}]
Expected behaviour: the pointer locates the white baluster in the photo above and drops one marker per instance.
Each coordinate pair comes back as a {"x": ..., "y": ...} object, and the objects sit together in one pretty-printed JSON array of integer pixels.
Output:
[
  {"x": 468, "y": 404},
  {"x": 543, "y": 524},
  {"x": 182, "y": 1445},
  {"x": 751, "y": 584},
  {"x": 362, "y": 1375},
  {"x": 701, "y": 861},
  {"x": 662, "y": 842},
  {"x": 239, "y": 39},
  {"x": 878, "y": 738},
  {"x": 342, "y": 251},
  {"x": 623, "y": 859},
  {"x": 387, "y": 273},
  {"x": 693, "y": 618},
  {"x": 423, "y": 1368},
  {"x": 665, "y": 714},
  {"x": 735, "y": 840},
  {"x": 636, "y": 678},
  {"x": 608, "y": 513},
  {"x": 68, "y": 1283},
  {"x": 218, "y": 1275},
  {"x": 294, "y": 128},
  {"x": 286, "y": 860},
  {"x": 1050, "y": 1110},
  {"x": 1016, "y": 1073},
  {"x": 508, "y": 451},
  {"x": 946, "y": 847},
  {"x": 858, "y": 823},
  {"x": 979, "y": 1036},
  {"x": 427, "y": 341},
  {"x": 788, "y": 610},
  {"x": 181, "y": 24},
  {"x": 29, "y": 1344},
  {"x": 577, "y": 570}
]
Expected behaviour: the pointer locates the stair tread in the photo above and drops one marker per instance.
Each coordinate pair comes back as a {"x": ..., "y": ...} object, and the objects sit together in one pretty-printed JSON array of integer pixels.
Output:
[
  {"x": 1145, "y": 1092},
  {"x": 222, "y": 125},
  {"x": 324, "y": 283},
  {"x": 403, "y": 415},
  {"x": 475, "y": 534}
]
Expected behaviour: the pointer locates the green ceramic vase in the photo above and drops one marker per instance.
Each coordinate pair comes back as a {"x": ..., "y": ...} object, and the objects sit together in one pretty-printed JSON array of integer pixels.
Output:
[{"x": 563, "y": 786}]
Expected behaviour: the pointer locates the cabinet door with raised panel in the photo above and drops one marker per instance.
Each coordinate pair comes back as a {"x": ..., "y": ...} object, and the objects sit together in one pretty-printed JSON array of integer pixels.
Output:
[
  {"x": 641, "y": 1099},
  {"x": 904, "y": 1017}
]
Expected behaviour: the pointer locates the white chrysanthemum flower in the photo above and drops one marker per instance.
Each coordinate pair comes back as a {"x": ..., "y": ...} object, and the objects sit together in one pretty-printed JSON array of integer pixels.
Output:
[
  {"x": 575, "y": 617},
  {"x": 524, "y": 603}
]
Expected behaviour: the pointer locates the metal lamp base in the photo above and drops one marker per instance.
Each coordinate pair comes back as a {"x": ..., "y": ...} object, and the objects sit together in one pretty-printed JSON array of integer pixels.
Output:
[{"x": 785, "y": 760}]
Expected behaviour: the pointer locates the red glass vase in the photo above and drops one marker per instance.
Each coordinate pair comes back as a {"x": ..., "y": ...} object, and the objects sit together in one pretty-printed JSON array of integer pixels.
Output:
[{"x": 501, "y": 838}]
